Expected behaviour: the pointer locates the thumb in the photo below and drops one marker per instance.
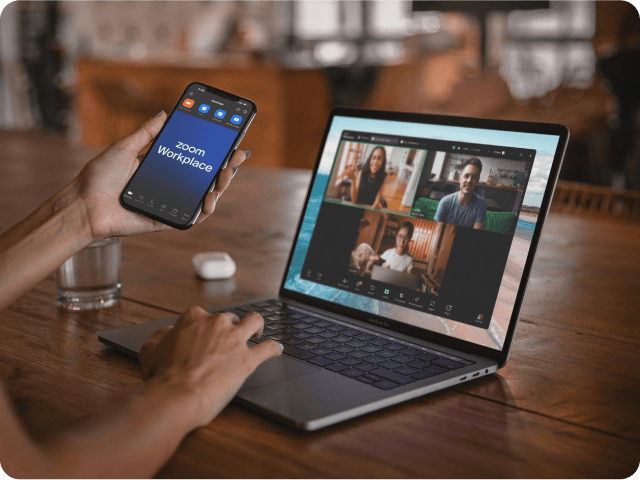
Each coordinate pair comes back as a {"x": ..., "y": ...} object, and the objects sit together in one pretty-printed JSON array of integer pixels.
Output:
[
  {"x": 139, "y": 138},
  {"x": 264, "y": 351}
]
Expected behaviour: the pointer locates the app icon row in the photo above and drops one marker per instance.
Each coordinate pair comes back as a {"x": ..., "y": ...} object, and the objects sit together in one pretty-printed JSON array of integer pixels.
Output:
[{"x": 204, "y": 108}]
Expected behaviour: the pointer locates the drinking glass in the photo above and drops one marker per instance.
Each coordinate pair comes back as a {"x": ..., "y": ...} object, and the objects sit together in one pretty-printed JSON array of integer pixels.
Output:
[{"x": 91, "y": 278}]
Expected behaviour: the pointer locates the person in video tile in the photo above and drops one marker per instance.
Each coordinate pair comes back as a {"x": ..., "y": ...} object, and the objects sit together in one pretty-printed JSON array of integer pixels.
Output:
[
  {"x": 464, "y": 207},
  {"x": 397, "y": 258},
  {"x": 365, "y": 187}
]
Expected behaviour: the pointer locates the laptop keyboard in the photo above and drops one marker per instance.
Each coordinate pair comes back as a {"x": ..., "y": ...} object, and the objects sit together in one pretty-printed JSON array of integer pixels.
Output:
[{"x": 363, "y": 356}]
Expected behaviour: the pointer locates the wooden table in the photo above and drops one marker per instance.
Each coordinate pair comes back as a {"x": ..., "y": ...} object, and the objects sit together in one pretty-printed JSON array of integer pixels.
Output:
[{"x": 566, "y": 404}]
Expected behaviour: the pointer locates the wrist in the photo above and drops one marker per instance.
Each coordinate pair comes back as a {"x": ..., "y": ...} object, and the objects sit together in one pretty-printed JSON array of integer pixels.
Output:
[
  {"x": 178, "y": 400},
  {"x": 69, "y": 203}
]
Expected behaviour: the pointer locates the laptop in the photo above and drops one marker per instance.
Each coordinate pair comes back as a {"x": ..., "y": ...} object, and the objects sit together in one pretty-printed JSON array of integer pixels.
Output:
[{"x": 354, "y": 344}]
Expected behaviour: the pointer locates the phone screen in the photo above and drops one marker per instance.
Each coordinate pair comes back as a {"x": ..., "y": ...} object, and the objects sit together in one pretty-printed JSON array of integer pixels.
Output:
[{"x": 187, "y": 154}]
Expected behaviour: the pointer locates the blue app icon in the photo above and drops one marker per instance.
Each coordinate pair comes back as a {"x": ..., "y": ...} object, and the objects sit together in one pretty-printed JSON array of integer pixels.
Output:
[
  {"x": 236, "y": 119},
  {"x": 220, "y": 113},
  {"x": 204, "y": 108}
]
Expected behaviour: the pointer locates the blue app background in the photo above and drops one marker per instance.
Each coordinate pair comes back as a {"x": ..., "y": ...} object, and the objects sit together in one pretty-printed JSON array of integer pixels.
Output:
[{"x": 166, "y": 180}]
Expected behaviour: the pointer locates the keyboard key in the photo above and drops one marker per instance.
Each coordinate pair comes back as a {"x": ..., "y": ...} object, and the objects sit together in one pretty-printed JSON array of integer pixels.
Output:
[
  {"x": 303, "y": 326},
  {"x": 276, "y": 317},
  {"x": 330, "y": 344},
  {"x": 446, "y": 363},
  {"x": 375, "y": 359},
  {"x": 306, "y": 346},
  {"x": 385, "y": 385},
  {"x": 314, "y": 330},
  {"x": 293, "y": 341},
  {"x": 289, "y": 330},
  {"x": 365, "y": 337},
  {"x": 379, "y": 341},
  {"x": 279, "y": 336},
  {"x": 374, "y": 378},
  {"x": 276, "y": 302},
  {"x": 418, "y": 364},
  {"x": 365, "y": 367},
  {"x": 320, "y": 351},
  {"x": 371, "y": 349},
  {"x": 313, "y": 320},
  {"x": 364, "y": 379},
  {"x": 426, "y": 356},
  {"x": 349, "y": 361},
  {"x": 401, "y": 358},
  {"x": 287, "y": 321},
  {"x": 352, "y": 372},
  {"x": 386, "y": 353},
  {"x": 429, "y": 372},
  {"x": 394, "y": 346},
  {"x": 302, "y": 335},
  {"x": 278, "y": 326},
  {"x": 405, "y": 370},
  {"x": 342, "y": 339},
  {"x": 351, "y": 332},
  {"x": 328, "y": 334},
  {"x": 298, "y": 315},
  {"x": 261, "y": 305},
  {"x": 337, "y": 367},
  {"x": 337, "y": 328},
  {"x": 393, "y": 376},
  {"x": 344, "y": 349},
  {"x": 320, "y": 361},
  {"x": 359, "y": 354},
  {"x": 390, "y": 364},
  {"x": 335, "y": 356},
  {"x": 409, "y": 351},
  {"x": 245, "y": 308},
  {"x": 238, "y": 312},
  {"x": 297, "y": 353},
  {"x": 315, "y": 339},
  {"x": 273, "y": 308},
  {"x": 356, "y": 343},
  {"x": 324, "y": 324}
]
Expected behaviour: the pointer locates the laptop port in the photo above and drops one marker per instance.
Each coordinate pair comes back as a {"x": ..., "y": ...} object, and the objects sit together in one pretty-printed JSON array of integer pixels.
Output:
[
  {"x": 476, "y": 374},
  {"x": 463, "y": 378}
]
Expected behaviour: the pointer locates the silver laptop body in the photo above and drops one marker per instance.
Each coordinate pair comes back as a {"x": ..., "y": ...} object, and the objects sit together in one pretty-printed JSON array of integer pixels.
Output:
[{"x": 310, "y": 390}]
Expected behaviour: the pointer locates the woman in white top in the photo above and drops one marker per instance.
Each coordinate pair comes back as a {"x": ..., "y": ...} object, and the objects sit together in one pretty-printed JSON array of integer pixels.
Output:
[{"x": 397, "y": 258}]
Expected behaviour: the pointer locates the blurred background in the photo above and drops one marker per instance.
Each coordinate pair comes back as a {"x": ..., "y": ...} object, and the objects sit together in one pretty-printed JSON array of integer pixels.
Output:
[{"x": 93, "y": 71}]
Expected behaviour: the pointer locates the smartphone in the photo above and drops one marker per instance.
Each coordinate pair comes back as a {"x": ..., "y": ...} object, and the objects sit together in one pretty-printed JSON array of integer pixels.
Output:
[{"x": 184, "y": 161}]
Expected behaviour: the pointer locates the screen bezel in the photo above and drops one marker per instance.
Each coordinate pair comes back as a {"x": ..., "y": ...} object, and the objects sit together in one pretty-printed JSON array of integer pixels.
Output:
[
  {"x": 501, "y": 356},
  {"x": 234, "y": 146}
]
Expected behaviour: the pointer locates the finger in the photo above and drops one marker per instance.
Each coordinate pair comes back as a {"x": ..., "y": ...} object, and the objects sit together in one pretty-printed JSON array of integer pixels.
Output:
[
  {"x": 191, "y": 315},
  {"x": 209, "y": 205},
  {"x": 264, "y": 351},
  {"x": 139, "y": 138},
  {"x": 152, "y": 342},
  {"x": 235, "y": 319},
  {"x": 251, "y": 325},
  {"x": 229, "y": 172}
]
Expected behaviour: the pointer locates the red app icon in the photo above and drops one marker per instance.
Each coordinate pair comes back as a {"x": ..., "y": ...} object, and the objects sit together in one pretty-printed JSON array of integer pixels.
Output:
[{"x": 188, "y": 103}]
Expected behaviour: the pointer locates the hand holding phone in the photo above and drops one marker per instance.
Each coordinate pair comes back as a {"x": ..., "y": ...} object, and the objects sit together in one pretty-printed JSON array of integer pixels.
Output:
[{"x": 185, "y": 160}]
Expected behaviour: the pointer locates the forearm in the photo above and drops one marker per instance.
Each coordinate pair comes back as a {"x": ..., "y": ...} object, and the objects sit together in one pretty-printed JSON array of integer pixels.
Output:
[
  {"x": 134, "y": 442},
  {"x": 33, "y": 248}
]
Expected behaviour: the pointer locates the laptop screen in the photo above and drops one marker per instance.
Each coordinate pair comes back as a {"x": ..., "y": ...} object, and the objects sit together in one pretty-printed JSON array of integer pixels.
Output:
[{"x": 428, "y": 225}]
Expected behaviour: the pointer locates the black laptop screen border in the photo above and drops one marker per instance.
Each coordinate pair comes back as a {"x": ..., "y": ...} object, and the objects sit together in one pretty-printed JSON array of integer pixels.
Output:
[{"x": 501, "y": 356}]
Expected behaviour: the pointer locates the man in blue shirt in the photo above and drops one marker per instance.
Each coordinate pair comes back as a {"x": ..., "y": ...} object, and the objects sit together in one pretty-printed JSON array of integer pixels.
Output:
[{"x": 464, "y": 207}]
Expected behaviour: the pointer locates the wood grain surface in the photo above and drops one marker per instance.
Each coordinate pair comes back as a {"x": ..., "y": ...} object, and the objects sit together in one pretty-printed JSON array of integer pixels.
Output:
[{"x": 564, "y": 406}]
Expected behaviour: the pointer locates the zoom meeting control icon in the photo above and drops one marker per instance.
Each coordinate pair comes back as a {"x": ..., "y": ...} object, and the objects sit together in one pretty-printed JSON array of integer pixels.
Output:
[{"x": 188, "y": 103}]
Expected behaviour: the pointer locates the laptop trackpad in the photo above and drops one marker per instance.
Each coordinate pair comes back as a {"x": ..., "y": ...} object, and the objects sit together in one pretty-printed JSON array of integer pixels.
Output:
[{"x": 276, "y": 370}]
